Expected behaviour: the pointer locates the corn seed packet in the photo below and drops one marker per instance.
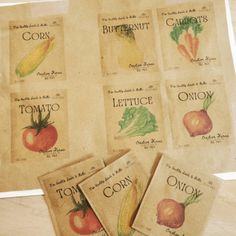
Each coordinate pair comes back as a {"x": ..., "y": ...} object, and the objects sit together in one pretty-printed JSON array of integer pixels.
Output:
[
  {"x": 37, "y": 49},
  {"x": 127, "y": 42},
  {"x": 115, "y": 193},
  {"x": 134, "y": 117},
  {"x": 39, "y": 125},
  {"x": 70, "y": 212},
  {"x": 188, "y": 36},
  {"x": 177, "y": 201},
  {"x": 199, "y": 112}
]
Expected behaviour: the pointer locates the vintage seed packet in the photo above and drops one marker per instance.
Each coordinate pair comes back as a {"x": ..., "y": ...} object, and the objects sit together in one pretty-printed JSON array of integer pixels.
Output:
[
  {"x": 188, "y": 36},
  {"x": 70, "y": 212},
  {"x": 37, "y": 49},
  {"x": 39, "y": 125},
  {"x": 115, "y": 192},
  {"x": 127, "y": 42},
  {"x": 199, "y": 112},
  {"x": 177, "y": 201},
  {"x": 134, "y": 117}
]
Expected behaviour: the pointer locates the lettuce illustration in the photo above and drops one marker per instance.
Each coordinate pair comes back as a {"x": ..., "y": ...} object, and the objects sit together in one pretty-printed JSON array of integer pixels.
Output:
[{"x": 137, "y": 121}]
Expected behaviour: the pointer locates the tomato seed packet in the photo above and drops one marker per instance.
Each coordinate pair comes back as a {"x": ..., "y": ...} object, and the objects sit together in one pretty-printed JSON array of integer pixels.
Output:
[
  {"x": 70, "y": 212},
  {"x": 134, "y": 117},
  {"x": 37, "y": 49},
  {"x": 115, "y": 193},
  {"x": 189, "y": 36},
  {"x": 177, "y": 201},
  {"x": 127, "y": 42},
  {"x": 39, "y": 125},
  {"x": 199, "y": 112}
]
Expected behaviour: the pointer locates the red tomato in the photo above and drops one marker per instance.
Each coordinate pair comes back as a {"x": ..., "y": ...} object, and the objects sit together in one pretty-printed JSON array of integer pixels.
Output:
[
  {"x": 84, "y": 223},
  {"x": 42, "y": 141}
]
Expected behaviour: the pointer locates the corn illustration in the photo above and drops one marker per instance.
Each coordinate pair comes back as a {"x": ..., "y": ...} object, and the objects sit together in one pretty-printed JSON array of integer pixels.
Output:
[
  {"x": 35, "y": 57},
  {"x": 127, "y": 210}
]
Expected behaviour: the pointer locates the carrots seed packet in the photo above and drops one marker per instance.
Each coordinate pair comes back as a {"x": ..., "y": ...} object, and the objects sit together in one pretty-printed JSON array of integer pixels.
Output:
[
  {"x": 39, "y": 125},
  {"x": 37, "y": 49},
  {"x": 177, "y": 201},
  {"x": 188, "y": 36},
  {"x": 199, "y": 112},
  {"x": 127, "y": 42},
  {"x": 115, "y": 192},
  {"x": 70, "y": 212},
  {"x": 134, "y": 116}
]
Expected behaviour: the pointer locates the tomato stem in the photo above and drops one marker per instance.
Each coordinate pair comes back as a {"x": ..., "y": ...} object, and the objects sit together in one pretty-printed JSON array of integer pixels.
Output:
[
  {"x": 82, "y": 205},
  {"x": 40, "y": 123}
]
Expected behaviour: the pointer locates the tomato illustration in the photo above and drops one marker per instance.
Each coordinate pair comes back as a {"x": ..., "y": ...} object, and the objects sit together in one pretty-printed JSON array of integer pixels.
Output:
[
  {"x": 82, "y": 219},
  {"x": 40, "y": 136},
  {"x": 84, "y": 222}
]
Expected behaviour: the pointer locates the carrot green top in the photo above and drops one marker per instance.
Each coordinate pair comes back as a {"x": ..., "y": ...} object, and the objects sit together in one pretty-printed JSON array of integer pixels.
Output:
[
  {"x": 197, "y": 28},
  {"x": 186, "y": 23},
  {"x": 175, "y": 33}
]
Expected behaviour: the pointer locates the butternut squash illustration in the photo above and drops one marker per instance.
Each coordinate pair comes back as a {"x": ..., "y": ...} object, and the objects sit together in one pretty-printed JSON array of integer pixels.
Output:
[{"x": 130, "y": 53}]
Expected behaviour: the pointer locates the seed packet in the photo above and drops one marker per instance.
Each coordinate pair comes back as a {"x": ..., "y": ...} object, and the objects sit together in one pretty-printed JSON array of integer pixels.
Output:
[
  {"x": 199, "y": 112},
  {"x": 134, "y": 117},
  {"x": 37, "y": 49},
  {"x": 39, "y": 125},
  {"x": 115, "y": 193},
  {"x": 177, "y": 201},
  {"x": 127, "y": 42},
  {"x": 188, "y": 36},
  {"x": 70, "y": 212}
]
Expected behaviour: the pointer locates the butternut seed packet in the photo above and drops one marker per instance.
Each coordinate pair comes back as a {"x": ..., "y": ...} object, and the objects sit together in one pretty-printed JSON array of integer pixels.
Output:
[
  {"x": 127, "y": 42},
  {"x": 115, "y": 193},
  {"x": 34, "y": 45},
  {"x": 189, "y": 36},
  {"x": 177, "y": 201},
  {"x": 70, "y": 212},
  {"x": 199, "y": 112},
  {"x": 37, "y": 122},
  {"x": 134, "y": 116}
]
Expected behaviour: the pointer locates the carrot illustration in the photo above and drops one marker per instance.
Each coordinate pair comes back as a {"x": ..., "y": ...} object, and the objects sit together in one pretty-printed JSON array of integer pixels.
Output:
[
  {"x": 197, "y": 28},
  {"x": 188, "y": 38},
  {"x": 175, "y": 34}
]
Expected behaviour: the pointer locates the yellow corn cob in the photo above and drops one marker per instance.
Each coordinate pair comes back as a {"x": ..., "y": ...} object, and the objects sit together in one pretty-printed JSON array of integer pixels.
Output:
[
  {"x": 127, "y": 210},
  {"x": 35, "y": 57}
]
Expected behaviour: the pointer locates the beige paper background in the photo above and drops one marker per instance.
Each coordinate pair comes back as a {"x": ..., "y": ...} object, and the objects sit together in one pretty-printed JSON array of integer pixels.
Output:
[
  {"x": 218, "y": 112},
  {"x": 20, "y": 105},
  {"x": 195, "y": 214},
  {"x": 126, "y": 166},
  {"x": 59, "y": 204},
  {"x": 53, "y": 66},
  {"x": 84, "y": 82},
  {"x": 154, "y": 140},
  {"x": 208, "y": 43}
]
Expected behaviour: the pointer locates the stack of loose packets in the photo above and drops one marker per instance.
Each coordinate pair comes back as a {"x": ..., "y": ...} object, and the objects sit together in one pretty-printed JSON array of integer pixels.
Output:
[{"x": 89, "y": 198}]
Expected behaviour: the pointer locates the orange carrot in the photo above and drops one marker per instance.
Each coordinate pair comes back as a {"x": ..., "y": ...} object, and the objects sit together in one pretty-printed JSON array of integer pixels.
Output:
[
  {"x": 189, "y": 41},
  {"x": 185, "y": 25},
  {"x": 184, "y": 52},
  {"x": 195, "y": 43},
  {"x": 197, "y": 29}
]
